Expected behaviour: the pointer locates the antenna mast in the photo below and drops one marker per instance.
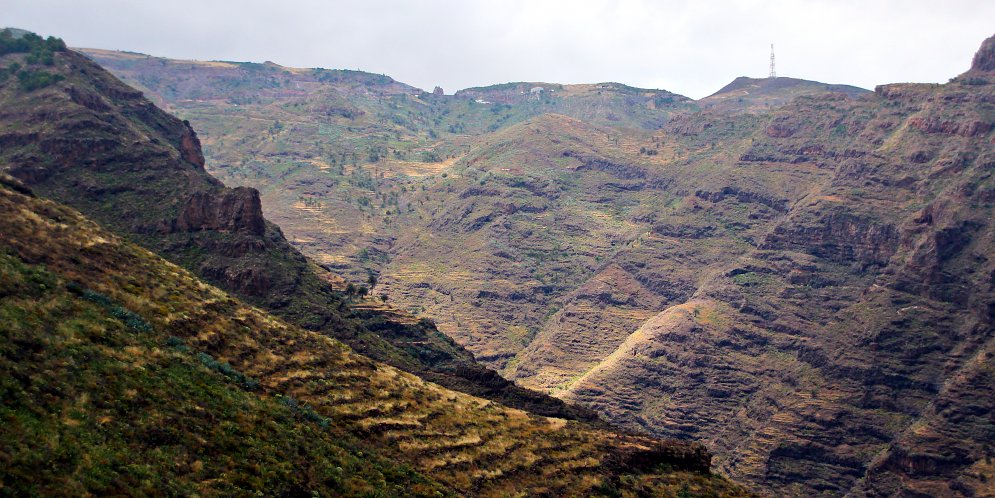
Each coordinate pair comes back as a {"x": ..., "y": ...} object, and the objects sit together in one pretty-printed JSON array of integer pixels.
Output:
[{"x": 773, "y": 74}]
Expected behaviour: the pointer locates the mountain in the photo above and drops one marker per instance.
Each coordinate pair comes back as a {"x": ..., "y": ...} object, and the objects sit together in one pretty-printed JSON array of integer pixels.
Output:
[
  {"x": 82, "y": 137},
  {"x": 124, "y": 373},
  {"x": 761, "y": 94},
  {"x": 806, "y": 286}
]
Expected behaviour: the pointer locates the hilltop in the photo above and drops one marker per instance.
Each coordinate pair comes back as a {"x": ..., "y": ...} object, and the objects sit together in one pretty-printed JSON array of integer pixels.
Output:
[{"x": 763, "y": 94}]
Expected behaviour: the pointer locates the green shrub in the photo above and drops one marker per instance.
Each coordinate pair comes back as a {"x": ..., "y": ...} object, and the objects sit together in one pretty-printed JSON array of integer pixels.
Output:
[
  {"x": 34, "y": 80},
  {"x": 225, "y": 368},
  {"x": 29, "y": 43},
  {"x": 132, "y": 320}
]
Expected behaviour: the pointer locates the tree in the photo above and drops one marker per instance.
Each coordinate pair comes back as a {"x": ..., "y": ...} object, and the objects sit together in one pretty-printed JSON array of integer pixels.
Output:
[
  {"x": 362, "y": 291},
  {"x": 383, "y": 297}
]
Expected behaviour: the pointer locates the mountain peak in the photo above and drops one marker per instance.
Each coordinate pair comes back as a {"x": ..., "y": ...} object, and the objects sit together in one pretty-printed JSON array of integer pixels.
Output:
[{"x": 984, "y": 58}]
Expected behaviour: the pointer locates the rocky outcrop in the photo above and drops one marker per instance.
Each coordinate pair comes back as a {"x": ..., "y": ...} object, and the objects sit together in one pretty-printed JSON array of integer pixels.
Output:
[
  {"x": 984, "y": 59},
  {"x": 688, "y": 124},
  {"x": 779, "y": 205},
  {"x": 781, "y": 128},
  {"x": 839, "y": 236},
  {"x": 190, "y": 149},
  {"x": 618, "y": 170},
  {"x": 965, "y": 128},
  {"x": 235, "y": 210},
  {"x": 646, "y": 454}
]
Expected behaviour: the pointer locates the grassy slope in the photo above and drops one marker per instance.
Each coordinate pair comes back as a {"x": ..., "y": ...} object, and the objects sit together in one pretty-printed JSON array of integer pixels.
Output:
[{"x": 124, "y": 372}]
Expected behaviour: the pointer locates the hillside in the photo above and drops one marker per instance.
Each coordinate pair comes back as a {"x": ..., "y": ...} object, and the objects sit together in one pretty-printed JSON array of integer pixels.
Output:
[
  {"x": 126, "y": 374},
  {"x": 123, "y": 373},
  {"x": 76, "y": 134},
  {"x": 764, "y": 94},
  {"x": 806, "y": 286}
]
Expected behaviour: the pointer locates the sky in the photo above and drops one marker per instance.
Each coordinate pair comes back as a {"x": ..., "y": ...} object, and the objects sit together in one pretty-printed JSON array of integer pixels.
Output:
[{"x": 689, "y": 47}]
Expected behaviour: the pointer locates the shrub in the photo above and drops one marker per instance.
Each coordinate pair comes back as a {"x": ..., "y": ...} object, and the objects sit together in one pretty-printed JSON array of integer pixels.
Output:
[
  {"x": 305, "y": 411},
  {"x": 132, "y": 320},
  {"x": 34, "y": 80},
  {"x": 29, "y": 43},
  {"x": 225, "y": 368}
]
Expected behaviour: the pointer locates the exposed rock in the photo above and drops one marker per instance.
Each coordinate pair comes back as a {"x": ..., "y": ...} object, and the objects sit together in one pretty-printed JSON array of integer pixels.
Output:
[
  {"x": 838, "y": 235},
  {"x": 190, "y": 147},
  {"x": 688, "y": 124},
  {"x": 236, "y": 210},
  {"x": 87, "y": 99},
  {"x": 780, "y": 128},
  {"x": 779, "y": 205},
  {"x": 965, "y": 128},
  {"x": 984, "y": 59},
  {"x": 623, "y": 171}
]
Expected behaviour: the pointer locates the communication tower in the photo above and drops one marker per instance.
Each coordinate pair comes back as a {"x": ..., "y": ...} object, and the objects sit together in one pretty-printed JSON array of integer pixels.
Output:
[{"x": 773, "y": 74}]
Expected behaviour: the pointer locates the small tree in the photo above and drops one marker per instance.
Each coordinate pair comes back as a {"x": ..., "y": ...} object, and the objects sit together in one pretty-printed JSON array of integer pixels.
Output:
[
  {"x": 363, "y": 291},
  {"x": 383, "y": 297}
]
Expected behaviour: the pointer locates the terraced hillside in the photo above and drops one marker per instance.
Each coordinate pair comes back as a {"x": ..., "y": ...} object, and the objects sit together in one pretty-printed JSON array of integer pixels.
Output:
[
  {"x": 807, "y": 287},
  {"x": 123, "y": 373},
  {"x": 75, "y": 133}
]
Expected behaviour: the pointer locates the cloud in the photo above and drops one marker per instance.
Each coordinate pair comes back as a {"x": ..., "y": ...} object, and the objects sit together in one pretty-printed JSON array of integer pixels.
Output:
[{"x": 692, "y": 48}]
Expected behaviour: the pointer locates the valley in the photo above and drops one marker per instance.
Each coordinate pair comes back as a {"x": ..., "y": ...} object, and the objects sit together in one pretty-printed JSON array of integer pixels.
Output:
[
  {"x": 126, "y": 372},
  {"x": 529, "y": 287},
  {"x": 760, "y": 269}
]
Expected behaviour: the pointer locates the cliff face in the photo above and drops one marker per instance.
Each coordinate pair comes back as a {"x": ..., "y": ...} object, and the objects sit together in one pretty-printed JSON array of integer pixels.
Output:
[{"x": 236, "y": 210}]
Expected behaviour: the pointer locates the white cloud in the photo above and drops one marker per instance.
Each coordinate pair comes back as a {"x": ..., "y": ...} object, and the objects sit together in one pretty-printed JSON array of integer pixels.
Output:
[{"x": 691, "y": 48}]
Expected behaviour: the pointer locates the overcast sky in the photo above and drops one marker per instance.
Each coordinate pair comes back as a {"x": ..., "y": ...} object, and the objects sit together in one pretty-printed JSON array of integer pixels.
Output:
[{"x": 689, "y": 47}]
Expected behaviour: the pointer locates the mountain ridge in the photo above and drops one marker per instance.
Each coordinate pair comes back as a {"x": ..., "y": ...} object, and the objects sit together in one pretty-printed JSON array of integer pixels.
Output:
[{"x": 804, "y": 286}]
